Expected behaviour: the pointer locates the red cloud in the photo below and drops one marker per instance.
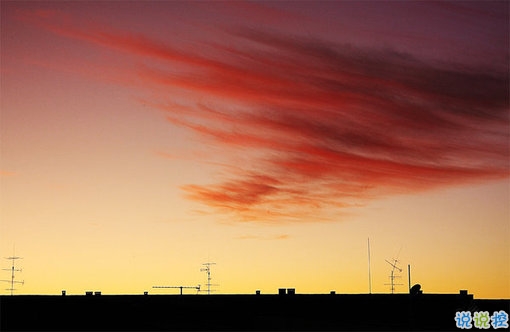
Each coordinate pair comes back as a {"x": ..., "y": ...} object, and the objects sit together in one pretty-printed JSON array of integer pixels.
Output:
[{"x": 330, "y": 125}]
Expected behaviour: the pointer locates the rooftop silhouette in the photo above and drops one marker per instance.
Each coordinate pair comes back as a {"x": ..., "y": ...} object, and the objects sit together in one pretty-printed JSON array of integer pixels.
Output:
[{"x": 284, "y": 311}]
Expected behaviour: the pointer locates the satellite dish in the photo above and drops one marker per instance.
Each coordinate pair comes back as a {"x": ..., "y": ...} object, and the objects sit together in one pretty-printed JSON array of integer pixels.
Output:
[{"x": 415, "y": 289}]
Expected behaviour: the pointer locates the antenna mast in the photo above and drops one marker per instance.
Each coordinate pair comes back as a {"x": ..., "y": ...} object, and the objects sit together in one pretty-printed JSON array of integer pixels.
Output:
[
  {"x": 207, "y": 269},
  {"x": 369, "y": 275},
  {"x": 13, "y": 269}
]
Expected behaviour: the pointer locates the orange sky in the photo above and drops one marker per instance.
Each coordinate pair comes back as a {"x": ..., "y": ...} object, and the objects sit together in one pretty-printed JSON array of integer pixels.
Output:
[{"x": 140, "y": 140}]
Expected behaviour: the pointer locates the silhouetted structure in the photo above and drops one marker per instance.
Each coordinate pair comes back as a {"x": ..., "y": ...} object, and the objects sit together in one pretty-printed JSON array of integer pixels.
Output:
[
  {"x": 257, "y": 312},
  {"x": 415, "y": 290}
]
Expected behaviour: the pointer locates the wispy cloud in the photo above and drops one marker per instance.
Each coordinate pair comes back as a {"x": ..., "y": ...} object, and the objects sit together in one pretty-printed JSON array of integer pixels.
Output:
[
  {"x": 258, "y": 237},
  {"x": 4, "y": 173},
  {"x": 328, "y": 125}
]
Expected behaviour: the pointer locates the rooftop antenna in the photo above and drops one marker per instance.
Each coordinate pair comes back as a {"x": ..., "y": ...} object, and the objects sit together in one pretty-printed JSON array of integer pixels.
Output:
[
  {"x": 392, "y": 275},
  {"x": 409, "y": 276},
  {"x": 13, "y": 258},
  {"x": 369, "y": 275},
  {"x": 181, "y": 287},
  {"x": 207, "y": 269}
]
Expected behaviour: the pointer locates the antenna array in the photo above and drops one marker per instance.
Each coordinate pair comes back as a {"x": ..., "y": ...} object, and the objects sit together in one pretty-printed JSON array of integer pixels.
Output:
[
  {"x": 207, "y": 269},
  {"x": 394, "y": 266},
  {"x": 181, "y": 287},
  {"x": 13, "y": 269}
]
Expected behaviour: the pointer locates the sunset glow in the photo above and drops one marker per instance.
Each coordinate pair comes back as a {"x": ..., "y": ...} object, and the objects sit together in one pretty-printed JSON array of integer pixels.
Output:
[{"x": 141, "y": 139}]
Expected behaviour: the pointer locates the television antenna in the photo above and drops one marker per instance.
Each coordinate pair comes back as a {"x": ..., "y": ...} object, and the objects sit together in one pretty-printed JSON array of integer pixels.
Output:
[
  {"x": 369, "y": 274},
  {"x": 207, "y": 269},
  {"x": 13, "y": 269},
  {"x": 181, "y": 287},
  {"x": 392, "y": 275}
]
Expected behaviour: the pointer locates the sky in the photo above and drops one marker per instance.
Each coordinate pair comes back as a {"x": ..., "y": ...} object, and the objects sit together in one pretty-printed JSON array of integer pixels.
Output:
[{"x": 142, "y": 139}]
